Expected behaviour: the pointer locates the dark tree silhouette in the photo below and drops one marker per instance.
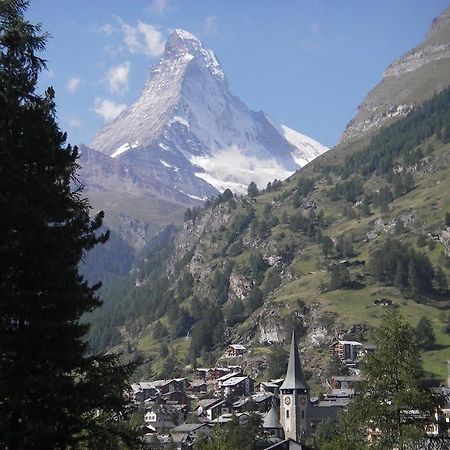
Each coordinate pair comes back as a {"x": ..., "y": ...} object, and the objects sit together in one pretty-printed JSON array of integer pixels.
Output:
[{"x": 52, "y": 395}]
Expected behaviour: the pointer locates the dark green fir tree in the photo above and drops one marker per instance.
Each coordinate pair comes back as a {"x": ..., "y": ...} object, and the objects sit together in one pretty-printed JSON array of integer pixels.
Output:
[{"x": 52, "y": 394}]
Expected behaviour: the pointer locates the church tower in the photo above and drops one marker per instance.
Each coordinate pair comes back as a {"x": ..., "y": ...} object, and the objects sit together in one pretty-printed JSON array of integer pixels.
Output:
[{"x": 294, "y": 398}]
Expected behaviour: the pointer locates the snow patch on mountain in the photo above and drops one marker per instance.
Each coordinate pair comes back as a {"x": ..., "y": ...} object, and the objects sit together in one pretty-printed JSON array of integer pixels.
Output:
[{"x": 232, "y": 168}]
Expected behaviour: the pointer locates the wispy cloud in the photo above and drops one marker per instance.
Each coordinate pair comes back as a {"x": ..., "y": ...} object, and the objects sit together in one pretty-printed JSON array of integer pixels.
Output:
[
  {"x": 210, "y": 26},
  {"x": 72, "y": 84},
  {"x": 117, "y": 78},
  {"x": 108, "y": 109},
  {"x": 158, "y": 6},
  {"x": 106, "y": 29},
  {"x": 143, "y": 38},
  {"x": 74, "y": 122}
]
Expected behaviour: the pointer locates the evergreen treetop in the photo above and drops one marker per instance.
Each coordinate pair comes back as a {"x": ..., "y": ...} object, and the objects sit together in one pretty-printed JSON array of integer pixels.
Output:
[{"x": 52, "y": 395}]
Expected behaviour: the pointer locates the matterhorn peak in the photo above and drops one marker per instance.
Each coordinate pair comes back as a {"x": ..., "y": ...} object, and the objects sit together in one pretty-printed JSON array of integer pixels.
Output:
[
  {"x": 188, "y": 129},
  {"x": 183, "y": 44},
  {"x": 181, "y": 41}
]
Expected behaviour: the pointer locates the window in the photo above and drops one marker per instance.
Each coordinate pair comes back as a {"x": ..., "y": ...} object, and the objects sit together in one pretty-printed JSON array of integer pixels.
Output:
[
  {"x": 303, "y": 414},
  {"x": 287, "y": 414}
]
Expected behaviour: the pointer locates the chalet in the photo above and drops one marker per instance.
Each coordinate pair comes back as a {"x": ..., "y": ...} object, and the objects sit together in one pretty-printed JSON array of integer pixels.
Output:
[
  {"x": 218, "y": 409},
  {"x": 184, "y": 436},
  {"x": 237, "y": 386},
  {"x": 346, "y": 351},
  {"x": 226, "y": 377},
  {"x": 344, "y": 381},
  {"x": 228, "y": 417},
  {"x": 178, "y": 397},
  {"x": 272, "y": 386},
  {"x": 234, "y": 351},
  {"x": 206, "y": 404},
  {"x": 158, "y": 413},
  {"x": 383, "y": 302},
  {"x": 263, "y": 401},
  {"x": 239, "y": 405},
  {"x": 142, "y": 391},
  {"x": 217, "y": 372},
  {"x": 197, "y": 387},
  {"x": 175, "y": 384}
]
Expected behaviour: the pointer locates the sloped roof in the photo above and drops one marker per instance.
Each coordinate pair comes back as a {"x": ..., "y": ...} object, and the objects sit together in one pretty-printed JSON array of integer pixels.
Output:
[
  {"x": 272, "y": 418},
  {"x": 294, "y": 375}
]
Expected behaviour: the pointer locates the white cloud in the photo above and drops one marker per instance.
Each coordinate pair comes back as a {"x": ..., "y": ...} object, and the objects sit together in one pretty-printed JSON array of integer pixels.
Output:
[
  {"x": 233, "y": 168},
  {"x": 143, "y": 38},
  {"x": 210, "y": 26},
  {"x": 117, "y": 78},
  {"x": 72, "y": 84},
  {"x": 153, "y": 39},
  {"x": 74, "y": 122},
  {"x": 108, "y": 109},
  {"x": 158, "y": 6}
]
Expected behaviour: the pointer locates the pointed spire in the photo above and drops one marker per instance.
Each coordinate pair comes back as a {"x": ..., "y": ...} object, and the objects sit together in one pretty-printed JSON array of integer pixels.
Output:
[
  {"x": 294, "y": 375},
  {"x": 272, "y": 418}
]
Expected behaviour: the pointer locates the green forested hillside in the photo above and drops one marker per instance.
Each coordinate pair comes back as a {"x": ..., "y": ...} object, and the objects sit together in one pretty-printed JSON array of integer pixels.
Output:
[{"x": 315, "y": 251}]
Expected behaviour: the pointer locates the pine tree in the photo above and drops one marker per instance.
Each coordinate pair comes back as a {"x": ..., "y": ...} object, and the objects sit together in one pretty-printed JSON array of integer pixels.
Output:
[
  {"x": 441, "y": 279},
  {"x": 391, "y": 397},
  {"x": 425, "y": 334},
  {"x": 327, "y": 245},
  {"x": 49, "y": 388},
  {"x": 252, "y": 190}
]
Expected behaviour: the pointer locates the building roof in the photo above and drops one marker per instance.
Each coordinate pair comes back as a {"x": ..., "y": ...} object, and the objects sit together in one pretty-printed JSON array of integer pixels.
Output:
[
  {"x": 187, "y": 428},
  {"x": 294, "y": 375},
  {"x": 238, "y": 347},
  {"x": 272, "y": 418},
  {"x": 228, "y": 376},
  {"x": 345, "y": 342},
  {"x": 288, "y": 444},
  {"x": 261, "y": 396},
  {"x": 208, "y": 402},
  {"x": 233, "y": 381},
  {"x": 197, "y": 383},
  {"x": 349, "y": 378}
]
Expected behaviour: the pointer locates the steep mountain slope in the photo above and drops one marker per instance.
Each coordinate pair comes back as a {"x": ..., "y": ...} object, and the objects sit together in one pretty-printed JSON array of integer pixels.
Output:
[
  {"x": 314, "y": 252},
  {"x": 188, "y": 127},
  {"x": 408, "y": 81},
  {"x": 362, "y": 223},
  {"x": 185, "y": 139}
]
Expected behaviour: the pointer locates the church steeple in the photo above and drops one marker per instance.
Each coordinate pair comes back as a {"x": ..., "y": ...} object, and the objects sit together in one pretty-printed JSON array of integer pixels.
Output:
[
  {"x": 294, "y": 403},
  {"x": 294, "y": 375}
]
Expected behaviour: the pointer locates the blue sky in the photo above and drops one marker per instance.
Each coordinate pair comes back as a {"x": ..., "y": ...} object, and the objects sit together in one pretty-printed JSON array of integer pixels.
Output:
[{"x": 307, "y": 63}]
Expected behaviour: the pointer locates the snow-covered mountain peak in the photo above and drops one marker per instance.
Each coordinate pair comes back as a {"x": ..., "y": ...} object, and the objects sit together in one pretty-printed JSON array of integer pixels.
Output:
[
  {"x": 182, "y": 42},
  {"x": 190, "y": 131}
]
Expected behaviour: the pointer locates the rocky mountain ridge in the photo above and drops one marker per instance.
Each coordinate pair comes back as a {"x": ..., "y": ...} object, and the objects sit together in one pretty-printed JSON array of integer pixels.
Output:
[
  {"x": 185, "y": 139},
  {"x": 408, "y": 81},
  {"x": 186, "y": 123}
]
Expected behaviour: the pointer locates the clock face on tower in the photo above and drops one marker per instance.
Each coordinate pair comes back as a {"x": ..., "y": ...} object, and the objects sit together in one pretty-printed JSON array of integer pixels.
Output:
[
  {"x": 302, "y": 400},
  {"x": 287, "y": 400}
]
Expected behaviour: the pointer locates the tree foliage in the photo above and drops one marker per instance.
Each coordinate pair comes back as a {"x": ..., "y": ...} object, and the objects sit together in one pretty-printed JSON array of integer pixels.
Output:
[
  {"x": 425, "y": 334},
  {"x": 391, "y": 397},
  {"x": 52, "y": 395}
]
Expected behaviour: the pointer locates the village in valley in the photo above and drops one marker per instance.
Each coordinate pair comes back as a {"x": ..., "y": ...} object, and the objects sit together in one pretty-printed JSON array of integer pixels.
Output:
[{"x": 178, "y": 413}]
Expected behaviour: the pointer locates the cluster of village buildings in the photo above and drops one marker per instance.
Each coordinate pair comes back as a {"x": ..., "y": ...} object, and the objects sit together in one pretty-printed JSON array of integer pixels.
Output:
[{"x": 179, "y": 411}]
